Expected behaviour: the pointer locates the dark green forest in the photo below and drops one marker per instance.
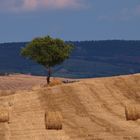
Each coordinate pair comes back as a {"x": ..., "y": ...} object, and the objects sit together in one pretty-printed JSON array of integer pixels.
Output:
[{"x": 88, "y": 59}]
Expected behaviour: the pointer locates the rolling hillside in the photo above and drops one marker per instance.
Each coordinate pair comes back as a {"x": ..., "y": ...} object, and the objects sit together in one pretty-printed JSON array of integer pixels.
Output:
[
  {"x": 89, "y": 59},
  {"x": 92, "y": 109}
]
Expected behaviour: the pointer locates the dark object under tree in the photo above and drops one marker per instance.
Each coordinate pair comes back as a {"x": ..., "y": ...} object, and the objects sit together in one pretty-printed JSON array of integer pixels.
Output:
[{"x": 47, "y": 51}]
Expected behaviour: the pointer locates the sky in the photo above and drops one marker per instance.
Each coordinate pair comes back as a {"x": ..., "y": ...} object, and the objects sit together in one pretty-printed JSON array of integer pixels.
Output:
[{"x": 23, "y": 20}]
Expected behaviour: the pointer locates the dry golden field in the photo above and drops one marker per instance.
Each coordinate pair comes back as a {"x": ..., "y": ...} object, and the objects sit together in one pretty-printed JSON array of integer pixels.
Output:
[{"x": 92, "y": 109}]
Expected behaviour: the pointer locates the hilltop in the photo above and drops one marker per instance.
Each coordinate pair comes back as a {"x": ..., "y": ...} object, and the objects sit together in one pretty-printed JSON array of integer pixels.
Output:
[{"x": 92, "y": 109}]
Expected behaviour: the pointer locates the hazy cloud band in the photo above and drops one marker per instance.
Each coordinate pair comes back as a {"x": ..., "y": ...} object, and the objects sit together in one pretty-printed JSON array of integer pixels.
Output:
[{"x": 28, "y": 5}]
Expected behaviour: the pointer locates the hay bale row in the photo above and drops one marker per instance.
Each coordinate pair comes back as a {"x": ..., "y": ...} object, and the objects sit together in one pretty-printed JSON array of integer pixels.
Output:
[
  {"x": 4, "y": 115},
  {"x": 53, "y": 120},
  {"x": 132, "y": 112}
]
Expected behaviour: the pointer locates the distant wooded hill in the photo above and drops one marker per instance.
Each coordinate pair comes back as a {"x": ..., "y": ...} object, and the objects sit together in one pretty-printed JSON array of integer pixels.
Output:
[{"x": 89, "y": 59}]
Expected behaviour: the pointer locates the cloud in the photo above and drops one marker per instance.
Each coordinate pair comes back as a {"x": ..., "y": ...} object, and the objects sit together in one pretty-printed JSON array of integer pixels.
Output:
[
  {"x": 130, "y": 13},
  {"x": 124, "y": 14},
  {"x": 29, "y": 5},
  {"x": 136, "y": 10}
]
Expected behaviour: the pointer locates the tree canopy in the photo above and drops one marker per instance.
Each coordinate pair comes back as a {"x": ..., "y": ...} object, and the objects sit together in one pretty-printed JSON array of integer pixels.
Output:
[{"x": 47, "y": 51}]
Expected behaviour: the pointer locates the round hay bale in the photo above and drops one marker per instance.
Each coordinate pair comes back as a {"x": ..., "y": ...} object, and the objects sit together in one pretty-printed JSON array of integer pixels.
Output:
[
  {"x": 4, "y": 115},
  {"x": 132, "y": 112},
  {"x": 53, "y": 120},
  {"x": 55, "y": 81}
]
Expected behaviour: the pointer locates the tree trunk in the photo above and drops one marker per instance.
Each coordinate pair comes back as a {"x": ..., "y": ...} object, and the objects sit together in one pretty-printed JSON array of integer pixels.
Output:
[{"x": 49, "y": 75}]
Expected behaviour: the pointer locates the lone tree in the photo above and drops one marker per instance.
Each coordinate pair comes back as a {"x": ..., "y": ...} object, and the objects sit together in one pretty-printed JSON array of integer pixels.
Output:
[{"x": 47, "y": 51}]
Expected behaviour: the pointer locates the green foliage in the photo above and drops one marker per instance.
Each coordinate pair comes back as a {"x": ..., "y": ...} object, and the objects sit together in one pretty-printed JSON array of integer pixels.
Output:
[{"x": 47, "y": 51}]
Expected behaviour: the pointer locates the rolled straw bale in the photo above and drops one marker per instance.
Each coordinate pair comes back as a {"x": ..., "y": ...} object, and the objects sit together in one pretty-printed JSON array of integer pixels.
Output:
[
  {"x": 53, "y": 120},
  {"x": 55, "y": 82},
  {"x": 4, "y": 115},
  {"x": 132, "y": 112}
]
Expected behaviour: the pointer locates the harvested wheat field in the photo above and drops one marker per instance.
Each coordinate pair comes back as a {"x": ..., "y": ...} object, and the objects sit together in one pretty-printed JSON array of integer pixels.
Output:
[{"x": 92, "y": 109}]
